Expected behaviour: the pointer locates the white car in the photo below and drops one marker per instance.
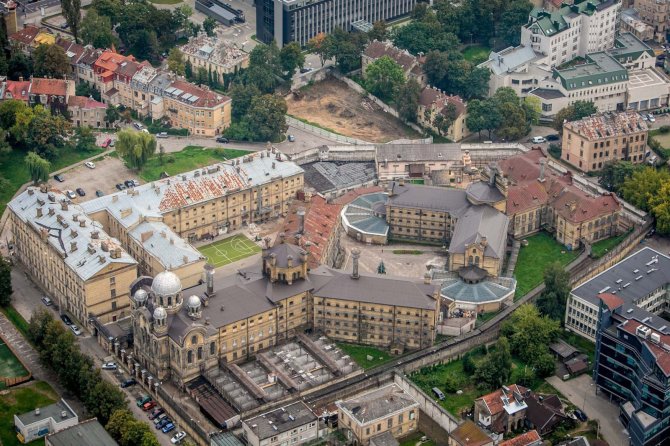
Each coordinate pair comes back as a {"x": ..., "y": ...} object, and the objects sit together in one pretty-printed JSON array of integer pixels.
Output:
[
  {"x": 90, "y": 164},
  {"x": 47, "y": 301},
  {"x": 651, "y": 118},
  {"x": 70, "y": 194},
  {"x": 109, "y": 366},
  {"x": 179, "y": 436},
  {"x": 539, "y": 139},
  {"x": 75, "y": 330}
]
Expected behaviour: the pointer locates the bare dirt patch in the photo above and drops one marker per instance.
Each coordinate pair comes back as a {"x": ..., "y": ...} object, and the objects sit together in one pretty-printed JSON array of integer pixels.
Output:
[{"x": 334, "y": 106}]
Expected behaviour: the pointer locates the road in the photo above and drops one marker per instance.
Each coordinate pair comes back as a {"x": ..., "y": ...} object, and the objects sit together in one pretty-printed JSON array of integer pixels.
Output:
[{"x": 581, "y": 392}]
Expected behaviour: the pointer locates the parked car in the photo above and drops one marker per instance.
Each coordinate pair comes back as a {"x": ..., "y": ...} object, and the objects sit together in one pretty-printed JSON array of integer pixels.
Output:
[
  {"x": 75, "y": 330},
  {"x": 59, "y": 178},
  {"x": 65, "y": 318},
  {"x": 438, "y": 393},
  {"x": 164, "y": 422},
  {"x": 538, "y": 139},
  {"x": 291, "y": 138},
  {"x": 109, "y": 366},
  {"x": 112, "y": 144},
  {"x": 128, "y": 383},
  {"x": 144, "y": 131},
  {"x": 222, "y": 139},
  {"x": 305, "y": 70},
  {"x": 156, "y": 413},
  {"x": 161, "y": 135},
  {"x": 90, "y": 164},
  {"x": 47, "y": 301},
  {"x": 81, "y": 192},
  {"x": 651, "y": 118},
  {"x": 159, "y": 418},
  {"x": 168, "y": 427},
  {"x": 142, "y": 400},
  {"x": 148, "y": 406},
  {"x": 70, "y": 194},
  {"x": 121, "y": 186},
  {"x": 581, "y": 416},
  {"x": 106, "y": 144},
  {"x": 138, "y": 126},
  {"x": 179, "y": 436},
  {"x": 99, "y": 193},
  {"x": 554, "y": 137}
]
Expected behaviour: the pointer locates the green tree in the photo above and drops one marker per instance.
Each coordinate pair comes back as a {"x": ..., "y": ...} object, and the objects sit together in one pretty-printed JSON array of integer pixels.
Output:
[
  {"x": 112, "y": 115},
  {"x": 553, "y": 299},
  {"x": 532, "y": 107},
  {"x": 108, "y": 8},
  {"x": 346, "y": 48},
  {"x": 495, "y": 369},
  {"x": 116, "y": 425},
  {"x": 319, "y": 45},
  {"x": 641, "y": 187},
  {"x": 188, "y": 70},
  {"x": 72, "y": 13},
  {"x": 176, "y": 62},
  {"x": 379, "y": 31},
  {"x": 144, "y": 44},
  {"x": 135, "y": 147},
  {"x": 88, "y": 90},
  {"x": 181, "y": 15},
  {"x": 614, "y": 173},
  {"x": 425, "y": 33},
  {"x": 51, "y": 61},
  {"x": 476, "y": 117},
  {"x": 511, "y": 21},
  {"x": 38, "y": 167},
  {"x": 578, "y": 110},
  {"x": 660, "y": 208},
  {"x": 407, "y": 100},
  {"x": 242, "y": 95},
  {"x": 528, "y": 332},
  {"x": 445, "y": 119},
  {"x": 96, "y": 30},
  {"x": 291, "y": 58},
  {"x": 20, "y": 66},
  {"x": 5, "y": 282},
  {"x": 383, "y": 77},
  {"x": 264, "y": 68},
  {"x": 8, "y": 111},
  {"x": 45, "y": 133},
  {"x": 544, "y": 365},
  {"x": 267, "y": 117},
  {"x": 4, "y": 64},
  {"x": 84, "y": 139},
  {"x": 435, "y": 67},
  {"x": 102, "y": 399},
  {"x": 209, "y": 25}
]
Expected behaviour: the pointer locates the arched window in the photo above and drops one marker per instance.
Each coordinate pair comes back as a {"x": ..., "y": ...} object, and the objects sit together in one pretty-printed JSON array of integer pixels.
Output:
[
  {"x": 470, "y": 260},
  {"x": 477, "y": 260},
  {"x": 169, "y": 301},
  {"x": 189, "y": 357},
  {"x": 194, "y": 339},
  {"x": 212, "y": 348},
  {"x": 199, "y": 353}
]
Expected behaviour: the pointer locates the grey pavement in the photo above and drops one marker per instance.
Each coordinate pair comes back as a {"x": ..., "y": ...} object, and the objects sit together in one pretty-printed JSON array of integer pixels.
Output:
[{"x": 581, "y": 392}]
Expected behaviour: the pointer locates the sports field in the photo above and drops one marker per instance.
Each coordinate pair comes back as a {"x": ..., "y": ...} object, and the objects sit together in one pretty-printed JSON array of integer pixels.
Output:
[
  {"x": 10, "y": 367},
  {"x": 229, "y": 250}
]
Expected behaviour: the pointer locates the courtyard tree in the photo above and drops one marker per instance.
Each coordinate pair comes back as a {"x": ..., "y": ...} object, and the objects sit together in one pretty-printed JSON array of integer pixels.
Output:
[
  {"x": 495, "y": 369},
  {"x": 291, "y": 58},
  {"x": 5, "y": 282},
  {"x": 19, "y": 66},
  {"x": 476, "y": 117},
  {"x": 578, "y": 110},
  {"x": 84, "y": 139},
  {"x": 529, "y": 332},
  {"x": 639, "y": 189},
  {"x": 445, "y": 118},
  {"x": 112, "y": 115},
  {"x": 383, "y": 77},
  {"x": 553, "y": 299},
  {"x": 135, "y": 147},
  {"x": 72, "y": 13},
  {"x": 50, "y": 61},
  {"x": 379, "y": 31},
  {"x": 38, "y": 167},
  {"x": 267, "y": 117},
  {"x": 242, "y": 95},
  {"x": 209, "y": 25},
  {"x": 96, "y": 30},
  {"x": 407, "y": 100},
  {"x": 318, "y": 45},
  {"x": 660, "y": 208}
]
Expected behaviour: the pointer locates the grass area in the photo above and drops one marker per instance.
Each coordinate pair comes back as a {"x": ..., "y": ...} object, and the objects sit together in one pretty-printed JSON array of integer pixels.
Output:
[
  {"x": 663, "y": 138},
  {"x": 413, "y": 439},
  {"x": 21, "y": 400},
  {"x": 360, "y": 353},
  {"x": 599, "y": 249},
  {"x": 15, "y": 318},
  {"x": 533, "y": 260},
  {"x": 414, "y": 252},
  {"x": 10, "y": 366},
  {"x": 166, "y": 2},
  {"x": 229, "y": 250},
  {"x": 314, "y": 124},
  {"x": 191, "y": 158},
  {"x": 476, "y": 53},
  {"x": 485, "y": 317},
  {"x": 417, "y": 181},
  {"x": 13, "y": 169}
]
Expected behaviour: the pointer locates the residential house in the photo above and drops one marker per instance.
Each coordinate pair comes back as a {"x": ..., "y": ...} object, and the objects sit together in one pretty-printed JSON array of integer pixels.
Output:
[
  {"x": 53, "y": 94},
  {"x": 22, "y": 40},
  {"x": 105, "y": 71},
  {"x": 202, "y": 111},
  {"x": 19, "y": 90},
  {"x": 469, "y": 434},
  {"x": 411, "y": 65},
  {"x": 294, "y": 424},
  {"x": 216, "y": 55},
  {"x": 530, "y": 438},
  {"x": 503, "y": 410},
  {"x": 85, "y": 111},
  {"x": 544, "y": 413},
  {"x": 434, "y": 103}
]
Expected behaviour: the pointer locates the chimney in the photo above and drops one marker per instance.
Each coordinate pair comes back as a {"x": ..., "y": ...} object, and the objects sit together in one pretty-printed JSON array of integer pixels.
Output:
[
  {"x": 355, "y": 254},
  {"x": 31, "y": 191},
  {"x": 427, "y": 278},
  {"x": 282, "y": 236},
  {"x": 43, "y": 188},
  {"x": 301, "y": 220},
  {"x": 44, "y": 234},
  {"x": 63, "y": 414},
  {"x": 51, "y": 211},
  {"x": 39, "y": 212},
  {"x": 95, "y": 234},
  {"x": 543, "y": 163},
  {"x": 209, "y": 279},
  {"x": 303, "y": 256},
  {"x": 494, "y": 172},
  {"x": 63, "y": 205},
  {"x": 82, "y": 223},
  {"x": 484, "y": 242},
  {"x": 273, "y": 259}
]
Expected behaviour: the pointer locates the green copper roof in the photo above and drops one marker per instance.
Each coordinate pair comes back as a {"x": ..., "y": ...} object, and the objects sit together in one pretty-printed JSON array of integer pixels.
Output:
[
  {"x": 554, "y": 22},
  {"x": 600, "y": 69},
  {"x": 628, "y": 46}
]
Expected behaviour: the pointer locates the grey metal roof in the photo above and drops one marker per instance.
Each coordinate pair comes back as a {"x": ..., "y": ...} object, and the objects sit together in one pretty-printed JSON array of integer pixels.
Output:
[
  {"x": 648, "y": 266},
  {"x": 547, "y": 93},
  {"x": 51, "y": 411},
  {"x": 225, "y": 439},
  {"x": 326, "y": 176},
  {"x": 562, "y": 348},
  {"x": 483, "y": 192},
  {"x": 479, "y": 222},
  {"x": 509, "y": 59},
  {"x": 87, "y": 433},
  {"x": 417, "y": 152},
  {"x": 63, "y": 224},
  {"x": 484, "y": 291},
  {"x": 168, "y": 248},
  {"x": 379, "y": 403},
  {"x": 441, "y": 199},
  {"x": 284, "y": 419}
]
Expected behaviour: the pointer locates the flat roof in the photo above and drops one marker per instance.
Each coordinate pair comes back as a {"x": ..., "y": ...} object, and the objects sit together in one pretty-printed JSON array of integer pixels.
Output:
[
  {"x": 54, "y": 411},
  {"x": 280, "y": 420},
  {"x": 377, "y": 404},
  {"x": 87, "y": 433},
  {"x": 417, "y": 152},
  {"x": 600, "y": 69}
]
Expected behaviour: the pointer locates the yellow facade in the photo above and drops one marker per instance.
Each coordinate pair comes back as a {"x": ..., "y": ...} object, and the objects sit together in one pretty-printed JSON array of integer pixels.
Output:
[
  {"x": 199, "y": 121},
  {"x": 419, "y": 224}
]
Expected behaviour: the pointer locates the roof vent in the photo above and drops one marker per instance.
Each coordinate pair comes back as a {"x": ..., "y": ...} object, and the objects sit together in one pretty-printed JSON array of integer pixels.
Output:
[
  {"x": 63, "y": 414},
  {"x": 37, "y": 411}
]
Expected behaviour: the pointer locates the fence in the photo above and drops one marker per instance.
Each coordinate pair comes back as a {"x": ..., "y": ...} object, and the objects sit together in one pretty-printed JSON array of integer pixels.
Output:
[
  {"x": 427, "y": 404},
  {"x": 187, "y": 423},
  {"x": 10, "y": 381},
  {"x": 290, "y": 120}
]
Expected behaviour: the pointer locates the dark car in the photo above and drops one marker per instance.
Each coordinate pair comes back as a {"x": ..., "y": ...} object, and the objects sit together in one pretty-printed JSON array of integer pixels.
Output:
[
  {"x": 128, "y": 383},
  {"x": 65, "y": 318},
  {"x": 81, "y": 192},
  {"x": 99, "y": 193},
  {"x": 121, "y": 186},
  {"x": 163, "y": 422},
  {"x": 553, "y": 137},
  {"x": 305, "y": 70},
  {"x": 581, "y": 416},
  {"x": 222, "y": 139},
  {"x": 59, "y": 178},
  {"x": 156, "y": 412}
]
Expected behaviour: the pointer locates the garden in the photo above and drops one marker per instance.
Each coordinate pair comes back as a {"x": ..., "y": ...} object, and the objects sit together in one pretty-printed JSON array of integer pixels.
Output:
[{"x": 191, "y": 158}]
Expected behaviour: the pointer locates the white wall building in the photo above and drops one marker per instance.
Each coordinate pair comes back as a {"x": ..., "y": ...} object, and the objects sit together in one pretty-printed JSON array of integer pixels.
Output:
[
  {"x": 291, "y": 425},
  {"x": 45, "y": 420}
]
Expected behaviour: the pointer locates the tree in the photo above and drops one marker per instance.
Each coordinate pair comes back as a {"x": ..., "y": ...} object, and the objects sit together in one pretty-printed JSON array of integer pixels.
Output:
[
  {"x": 544, "y": 365},
  {"x": 181, "y": 15},
  {"x": 660, "y": 208},
  {"x": 407, "y": 100},
  {"x": 496, "y": 368},
  {"x": 264, "y": 67},
  {"x": 8, "y": 111},
  {"x": 38, "y": 167},
  {"x": 51, "y": 61},
  {"x": 267, "y": 117},
  {"x": 555, "y": 295},
  {"x": 578, "y": 110},
  {"x": 383, "y": 77},
  {"x": 379, "y": 31},
  {"x": 188, "y": 70},
  {"x": 135, "y": 147},
  {"x": 20, "y": 66},
  {"x": 209, "y": 25},
  {"x": 424, "y": 33},
  {"x": 40, "y": 131},
  {"x": 512, "y": 20},
  {"x": 345, "y": 47},
  {"x": 4, "y": 64},
  {"x": 242, "y": 95},
  {"x": 532, "y": 106},
  {"x": 88, "y": 90},
  {"x": 72, "y": 13},
  {"x": 112, "y": 115},
  {"x": 614, "y": 173},
  {"x": 445, "y": 119},
  {"x": 476, "y": 117},
  {"x": 641, "y": 187},
  {"x": 96, "y": 30},
  {"x": 5, "y": 282},
  {"x": 176, "y": 62},
  {"x": 84, "y": 139},
  {"x": 107, "y": 8},
  {"x": 528, "y": 332},
  {"x": 103, "y": 398},
  {"x": 143, "y": 44},
  {"x": 117, "y": 423},
  {"x": 291, "y": 58},
  {"x": 318, "y": 45}
]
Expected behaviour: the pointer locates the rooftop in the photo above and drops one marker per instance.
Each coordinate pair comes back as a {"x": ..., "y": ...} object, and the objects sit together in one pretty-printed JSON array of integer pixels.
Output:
[
  {"x": 377, "y": 49},
  {"x": 215, "y": 50},
  {"x": 510, "y": 59},
  {"x": 563, "y": 349},
  {"x": 84, "y": 102},
  {"x": 194, "y": 95},
  {"x": 384, "y": 439},
  {"x": 551, "y": 23},
  {"x": 377, "y": 404},
  {"x": 25, "y": 35},
  {"x": 55, "y": 411},
  {"x": 600, "y": 69},
  {"x": 326, "y": 176},
  {"x": 628, "y": 45},
  {"x": 509, "y": 398},
  {"x": 57, "y": 87},
  {"x": 417, "y": 152},
  {"x": 469, "y": 434},
  {"x": 608, "y": 125},
  {"x": 86, "y": 433},
  {"x": 526, "y": 439},
  {"x": 280, "y": 420}
]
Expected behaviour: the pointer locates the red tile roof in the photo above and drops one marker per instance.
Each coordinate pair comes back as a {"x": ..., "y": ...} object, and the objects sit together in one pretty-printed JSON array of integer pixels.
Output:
[
  {"x": 662, "y": 355},
  {"x": 26, "y": 35},
  {"x": 84, "y": 102},
  {"x": 352, "y": 195},
  {"x": 431, "y": 97},
  {"x": 17, "y": 90},
  {"x": 469, "y": 434},
  {"x": 110, "y": 61},
  {"x": 529, "y": 437},
  {"x": 206, "y": 98},
  {"x": 494, "y": 401},
  {"x": 377, "y": 49},
  {"x": 576, "y": 206},
  {"x": 49, "y": 87},
  {"x": 612, "y": 301}
]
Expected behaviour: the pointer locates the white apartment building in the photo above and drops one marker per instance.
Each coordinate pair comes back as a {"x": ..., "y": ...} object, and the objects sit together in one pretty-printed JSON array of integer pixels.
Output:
[
  {"x": 519, "y": 68},
  {"x": 642, "y": 279},
  {"x": 586, "y": 26},
  {"x": 292, "y": 425}
]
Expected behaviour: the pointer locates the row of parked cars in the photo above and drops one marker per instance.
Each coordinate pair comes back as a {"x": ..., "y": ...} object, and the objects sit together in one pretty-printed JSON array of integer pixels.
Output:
[{"x": 159, "y": 417}]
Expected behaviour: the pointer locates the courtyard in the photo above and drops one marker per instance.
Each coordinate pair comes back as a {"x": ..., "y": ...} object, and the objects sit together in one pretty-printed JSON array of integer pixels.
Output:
[
  {"x": 229, "y": 250},
  {"x": 10, "y": 366}
]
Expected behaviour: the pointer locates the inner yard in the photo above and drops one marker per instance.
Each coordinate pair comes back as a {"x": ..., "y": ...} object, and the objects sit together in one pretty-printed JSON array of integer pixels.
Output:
[{"x": 229, "y": 250}]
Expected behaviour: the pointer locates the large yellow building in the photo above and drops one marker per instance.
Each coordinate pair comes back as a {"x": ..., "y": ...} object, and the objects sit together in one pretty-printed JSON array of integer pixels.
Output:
[
  {"x": 232, "y": 318},
  {"x": 84, "y": 270}
]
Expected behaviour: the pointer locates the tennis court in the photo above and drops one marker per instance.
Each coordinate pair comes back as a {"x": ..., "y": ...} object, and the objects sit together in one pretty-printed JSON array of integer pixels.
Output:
[
  {"x": 10, "y": 366},
  {"x": 229, "y": 250}
]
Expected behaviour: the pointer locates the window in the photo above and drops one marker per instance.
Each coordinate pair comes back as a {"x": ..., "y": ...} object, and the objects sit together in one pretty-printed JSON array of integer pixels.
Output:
[
  {"x": 189, "y": 357},
  {"x": 212, "y": 348},
  {"x": 194, "y": 339}
]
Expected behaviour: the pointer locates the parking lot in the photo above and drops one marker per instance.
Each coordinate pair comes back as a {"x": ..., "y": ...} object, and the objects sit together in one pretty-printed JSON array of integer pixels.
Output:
[{"x": 107, "y": 173}]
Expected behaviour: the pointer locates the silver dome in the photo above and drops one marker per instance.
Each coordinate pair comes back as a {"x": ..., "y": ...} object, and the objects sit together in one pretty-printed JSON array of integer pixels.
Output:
[
  {"x": 166, "y": 283},
  {"x": 160, "y": 313},
  {"x": 140, "y": 296},
  {"x": 194, "y": 302}
]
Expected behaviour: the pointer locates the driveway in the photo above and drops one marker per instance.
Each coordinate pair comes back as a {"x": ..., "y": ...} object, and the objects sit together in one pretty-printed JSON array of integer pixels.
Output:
[{"x": 581, "y": 392}]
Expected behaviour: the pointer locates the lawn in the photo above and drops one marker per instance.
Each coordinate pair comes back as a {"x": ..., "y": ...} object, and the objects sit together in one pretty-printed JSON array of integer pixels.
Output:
[
  {"x": 10, "y": 366},
  {"x": 599, "y": 249},
  {"x": 533, "y": 260},
  {"x": 476, "y": 53},
  {"x": 22, "y": 400},
  {"x": 191, "y": 158},
  {"x": 359, "y": 353},
  {"x": 413, "y": 439},
  {"x": 15, "y": 318},
  {"x": 229, "y": 250},
  {"x": 14, "y": 171}
]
